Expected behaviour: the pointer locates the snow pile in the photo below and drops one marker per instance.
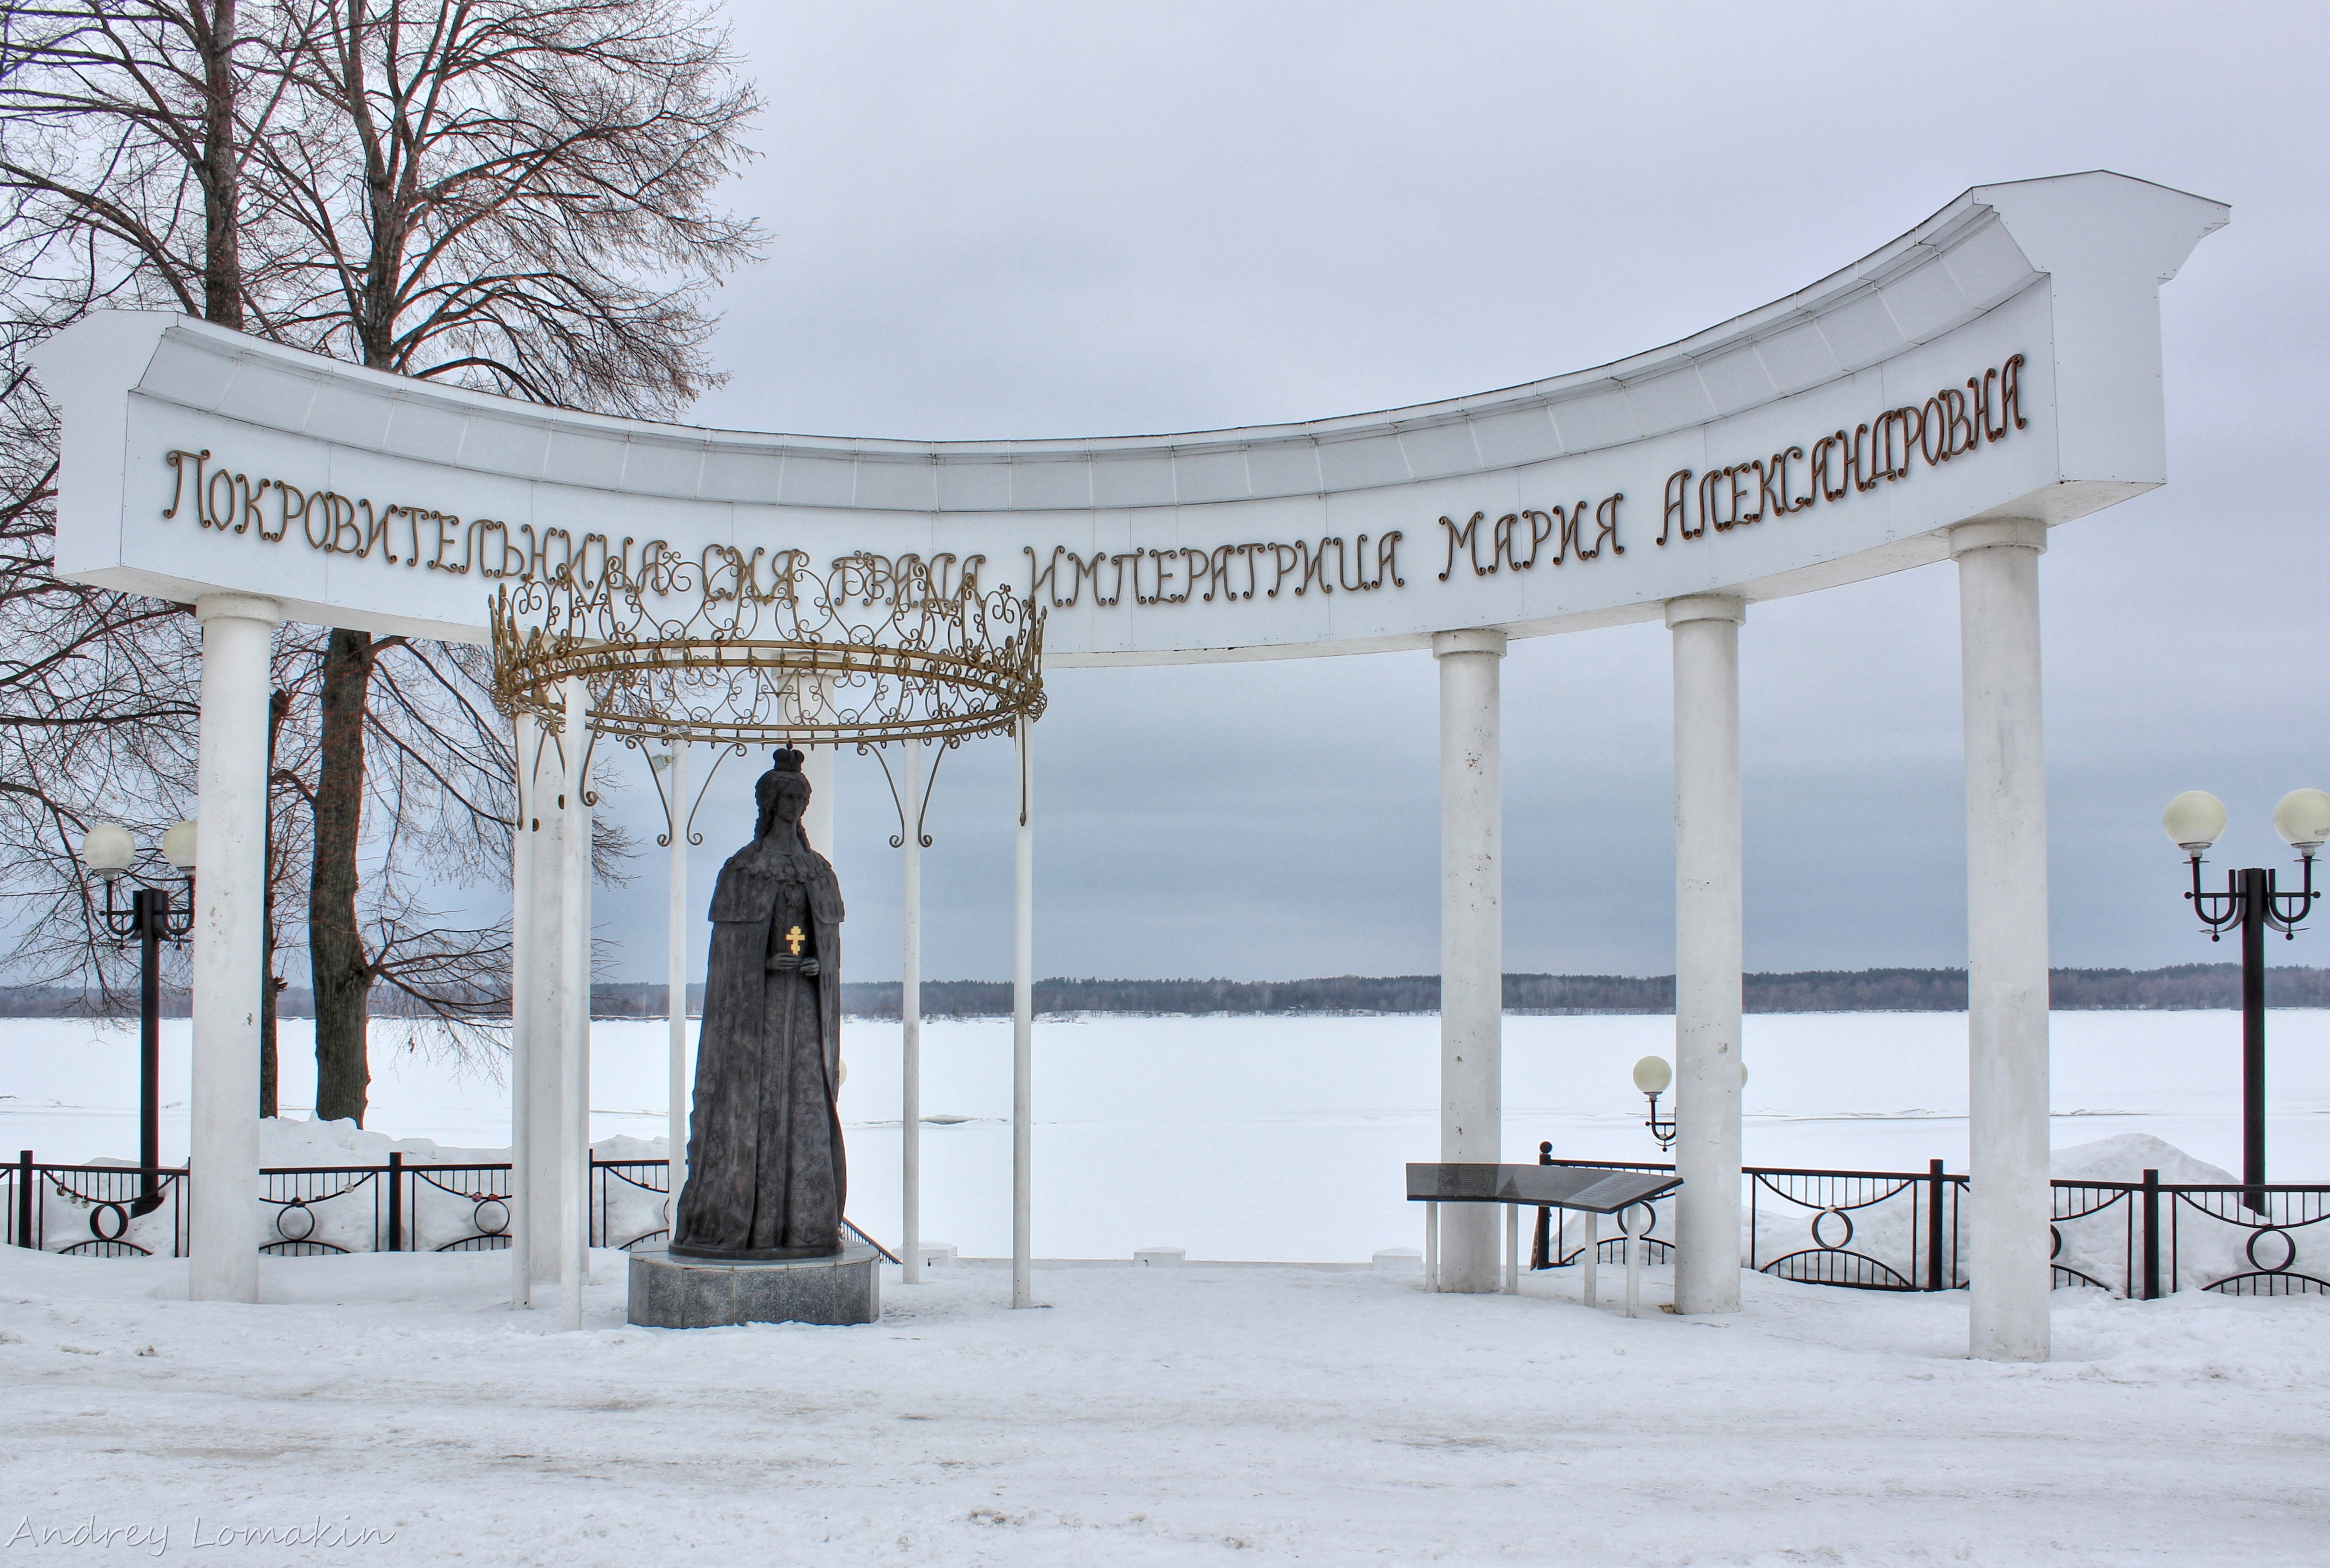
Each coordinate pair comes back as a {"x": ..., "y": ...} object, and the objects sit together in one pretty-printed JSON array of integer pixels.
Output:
[
  {"x": 2099, "y": 1233},
  {"x": 285, "y": 1141},
  {"x": 2125, "y": 1158}
]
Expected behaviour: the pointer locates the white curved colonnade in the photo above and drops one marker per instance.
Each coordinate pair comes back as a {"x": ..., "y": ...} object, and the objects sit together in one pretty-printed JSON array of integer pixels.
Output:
[{"x": 1990, "y": 375}]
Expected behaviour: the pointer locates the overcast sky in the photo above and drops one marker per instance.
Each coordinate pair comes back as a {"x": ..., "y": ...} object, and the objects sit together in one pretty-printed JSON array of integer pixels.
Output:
[{"x": 993, "y": 220}]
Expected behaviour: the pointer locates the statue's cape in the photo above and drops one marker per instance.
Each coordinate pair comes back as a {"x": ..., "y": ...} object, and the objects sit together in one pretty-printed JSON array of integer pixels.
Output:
[{"x": 743, "y": 899}]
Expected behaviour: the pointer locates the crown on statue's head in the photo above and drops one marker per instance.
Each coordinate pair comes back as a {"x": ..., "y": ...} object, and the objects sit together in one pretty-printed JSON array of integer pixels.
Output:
[{"x": 787, "y": 761}]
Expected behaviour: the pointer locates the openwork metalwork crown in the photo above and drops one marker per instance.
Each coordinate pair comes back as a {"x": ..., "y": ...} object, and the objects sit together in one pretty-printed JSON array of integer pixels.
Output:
[{"x": 761, "y": 647}]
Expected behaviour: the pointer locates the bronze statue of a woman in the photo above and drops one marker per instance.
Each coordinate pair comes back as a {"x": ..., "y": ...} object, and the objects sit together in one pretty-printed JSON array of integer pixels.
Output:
[{"x": 765, "y": 1172}]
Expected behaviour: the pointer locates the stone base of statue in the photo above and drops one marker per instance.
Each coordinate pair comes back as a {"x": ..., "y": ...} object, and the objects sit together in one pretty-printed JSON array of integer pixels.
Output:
[{"x": 668, "y": 1292}]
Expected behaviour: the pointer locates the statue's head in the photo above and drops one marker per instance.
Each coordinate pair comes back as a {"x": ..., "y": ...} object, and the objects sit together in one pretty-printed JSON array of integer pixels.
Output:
[{"x": 783, "y": 795}]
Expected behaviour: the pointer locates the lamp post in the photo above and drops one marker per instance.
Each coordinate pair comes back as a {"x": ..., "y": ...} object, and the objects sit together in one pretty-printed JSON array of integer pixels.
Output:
[
  {"x": 150, "y": 919},
  {"x": 2194, "y": 820}
]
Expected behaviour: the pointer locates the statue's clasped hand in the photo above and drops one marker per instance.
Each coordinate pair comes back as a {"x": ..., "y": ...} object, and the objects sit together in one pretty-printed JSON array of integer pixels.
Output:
[{"x": 809, "y": 967}]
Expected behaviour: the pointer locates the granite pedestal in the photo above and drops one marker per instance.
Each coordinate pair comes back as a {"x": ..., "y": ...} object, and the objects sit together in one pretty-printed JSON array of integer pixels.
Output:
[{"x": 668, "y": 1292}]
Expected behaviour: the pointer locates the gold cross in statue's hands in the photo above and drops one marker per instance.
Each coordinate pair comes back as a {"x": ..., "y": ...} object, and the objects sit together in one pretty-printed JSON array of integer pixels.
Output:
[{"x": 793, "y": 942}]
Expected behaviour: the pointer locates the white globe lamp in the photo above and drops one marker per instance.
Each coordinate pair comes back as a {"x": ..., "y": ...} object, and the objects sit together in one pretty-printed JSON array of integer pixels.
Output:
[
  {"x": 2303, "y": 819},
  {"x": 107, "y": 849},
  {"x": 2194, "y": 820}
]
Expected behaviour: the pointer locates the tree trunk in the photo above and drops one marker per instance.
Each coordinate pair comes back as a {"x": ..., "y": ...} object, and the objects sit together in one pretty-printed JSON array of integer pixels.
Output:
[
  {"x": 338, "y": 970},
  {"x": 267, "y": 989},
  {"x": 221, "y": 179},
  {"x": 270, "y": 984}
]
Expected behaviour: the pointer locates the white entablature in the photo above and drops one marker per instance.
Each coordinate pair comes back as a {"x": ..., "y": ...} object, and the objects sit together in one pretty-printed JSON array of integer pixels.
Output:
[{"x": 396, "y": 499}]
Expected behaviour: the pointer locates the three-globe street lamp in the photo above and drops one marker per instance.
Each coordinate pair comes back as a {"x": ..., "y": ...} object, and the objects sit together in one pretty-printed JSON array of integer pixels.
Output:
[
  {"x": 2251, "y": 901},
  {"x": 150, "y": 921}
]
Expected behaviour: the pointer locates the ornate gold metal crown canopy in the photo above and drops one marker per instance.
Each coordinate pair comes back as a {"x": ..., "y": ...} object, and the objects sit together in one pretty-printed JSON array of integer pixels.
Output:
[{"x": 760, "y": 647}]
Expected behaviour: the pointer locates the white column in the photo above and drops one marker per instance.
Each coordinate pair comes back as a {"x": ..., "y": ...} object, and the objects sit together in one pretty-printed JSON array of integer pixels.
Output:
[
  {"x": 1023, "y": 1031},
  {"x": 2006, "y": 938},
  {"x": 676, "y": 979},
  {"x": 581, "y": 998},
  {"x": 817, "y": 766},
  {"x": 524, "y": 1007},
  {"x": 223, "y": 1230},
  {"x": 574, "y": 1009},
  {"x": 1472, "y": 942},
  {"x": 910, "y": 1021},
  {"x": 812, "y": 702},
  {"x": 542, "y": 1017},
  {"x": 1706, "y": 629}
]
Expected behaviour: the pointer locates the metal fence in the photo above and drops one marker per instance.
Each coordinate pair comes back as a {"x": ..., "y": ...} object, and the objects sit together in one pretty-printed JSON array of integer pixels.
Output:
[
  {"x": 1907, "y": 1231},
  {"x": 98, "y": 1211},
  {"x": 123, "y": 1211},
  {"x": 310, "y": 1211},
  {"x": 1861, "y": 1229}
]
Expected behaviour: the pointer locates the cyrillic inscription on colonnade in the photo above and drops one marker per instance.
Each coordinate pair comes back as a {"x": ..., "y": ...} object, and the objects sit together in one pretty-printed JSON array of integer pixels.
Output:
[{"x": 2000, "y": 360}]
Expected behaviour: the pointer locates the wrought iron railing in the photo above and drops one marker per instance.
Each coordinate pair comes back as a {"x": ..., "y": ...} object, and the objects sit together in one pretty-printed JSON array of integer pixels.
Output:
[
  {"x": 104, "y": 1210},
  {"x": 100, "y": 1210},
  {"x": 627, "y": 1200},
  {"x": 313, "y": 1210},
  {"x": 1861, "y": 1229},
  {"x": 1905, "y": 1230}
]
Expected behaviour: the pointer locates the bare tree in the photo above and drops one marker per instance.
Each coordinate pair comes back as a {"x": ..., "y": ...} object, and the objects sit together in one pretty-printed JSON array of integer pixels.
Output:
[
  {"x": 513, "y": 195},
  {"x": 96, "y": 718},
  {"x": 438, "y": 789},
  {"x": 122, "y": 129},
  {"x": 117, "y": 185}
]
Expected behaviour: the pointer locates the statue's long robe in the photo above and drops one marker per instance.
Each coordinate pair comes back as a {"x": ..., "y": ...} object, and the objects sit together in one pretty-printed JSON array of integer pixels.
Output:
[{"x": 766, "y": 1175}]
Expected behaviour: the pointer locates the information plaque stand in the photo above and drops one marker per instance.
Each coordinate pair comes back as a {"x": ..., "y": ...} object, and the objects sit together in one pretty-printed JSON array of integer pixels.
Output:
[{"x": 1592, "y": 1191}]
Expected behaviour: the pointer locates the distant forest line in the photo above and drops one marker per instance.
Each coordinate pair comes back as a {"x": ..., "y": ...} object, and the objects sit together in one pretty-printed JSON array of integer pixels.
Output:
[{"x": 2177, "y": 987}]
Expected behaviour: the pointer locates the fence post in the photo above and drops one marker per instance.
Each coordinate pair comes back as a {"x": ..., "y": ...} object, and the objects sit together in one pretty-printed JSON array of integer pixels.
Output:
[
  {"x": 395, "y": 1199},
  {"x": 2152, "y": 1236},
  {"x": 1934, "y": 1279},
  {"x": 24, "y": 1237},
  {"x": 1542, "y": 1243}
]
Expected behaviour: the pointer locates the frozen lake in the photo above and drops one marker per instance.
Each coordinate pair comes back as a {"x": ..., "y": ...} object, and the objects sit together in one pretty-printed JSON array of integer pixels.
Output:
[{"x": 1278, "y": 1138}]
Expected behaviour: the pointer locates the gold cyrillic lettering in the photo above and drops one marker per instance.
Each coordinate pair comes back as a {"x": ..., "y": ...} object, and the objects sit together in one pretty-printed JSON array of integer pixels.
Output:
[
  {"x": 1605, "y": 524},
  {"x": 177, "y": 461},
  {"x": 1387, "y": 559},
  {"x": 1469, "y": 535},
  {"x": 1672, "y": 510}
]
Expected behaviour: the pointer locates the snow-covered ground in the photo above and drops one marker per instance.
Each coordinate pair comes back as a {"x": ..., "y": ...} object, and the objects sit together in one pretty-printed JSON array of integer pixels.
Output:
[
  {"x": 1247, "y": 1137},
  {"x": 1165, "y": 1416},
  {"x": 1211, "y": 1413}
]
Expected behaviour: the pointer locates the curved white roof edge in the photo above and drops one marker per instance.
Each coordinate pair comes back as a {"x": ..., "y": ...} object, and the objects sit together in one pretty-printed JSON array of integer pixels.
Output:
[{"x": 1953, "y": 298}]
